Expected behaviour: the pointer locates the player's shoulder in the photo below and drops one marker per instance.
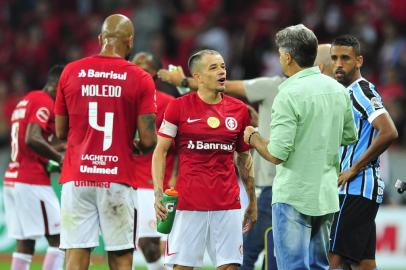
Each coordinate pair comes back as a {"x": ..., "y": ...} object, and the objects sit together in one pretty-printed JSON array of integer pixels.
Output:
[
  {"x": 78, "y": 63},
  {"x": 164, "y": 96},
  {"x": 364, "y": 87},
  {"x": 229, "y": 100},
  {"x": 37, "y": 95},
  {"x": 185, "y": 98}
]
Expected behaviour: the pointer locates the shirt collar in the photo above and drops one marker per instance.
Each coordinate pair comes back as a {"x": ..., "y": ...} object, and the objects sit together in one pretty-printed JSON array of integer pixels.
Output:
[
  {"x": 303, "y": 73},
  {"x": 355, "y": 82}
]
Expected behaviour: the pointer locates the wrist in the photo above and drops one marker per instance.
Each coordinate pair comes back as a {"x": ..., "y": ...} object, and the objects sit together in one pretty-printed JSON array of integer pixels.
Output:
[
  {"x": 61, "y": 160},
  {"x": 354, "y": 170},
  {"x": 158, "y": 192},
  {"x": 184, "y": 82},
  {"x": 250, "y": 137}
]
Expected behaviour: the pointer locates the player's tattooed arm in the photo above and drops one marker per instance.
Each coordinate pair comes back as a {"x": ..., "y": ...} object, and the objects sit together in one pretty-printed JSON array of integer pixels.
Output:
[
  {"x": 245, "y": 167},
  {"x": 158, "y": 173},
  {"x": 147, "y": 133},
  {"x": 35, "y": 140}
]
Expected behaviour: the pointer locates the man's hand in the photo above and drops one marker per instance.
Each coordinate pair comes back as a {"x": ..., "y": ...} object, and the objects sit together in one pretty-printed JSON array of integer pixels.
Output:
[
  {"x": 60, "y": 147},
  {"x": 136, "y": 149},
  {"x": 160, "y": 210},
  {"x": 172, "y": 181},
  {"x": 250, "y": 216},
  {"x": 346, "y": 176},
  {"x": 173, "y": 77},
  {"x": 249, "y": 130}
]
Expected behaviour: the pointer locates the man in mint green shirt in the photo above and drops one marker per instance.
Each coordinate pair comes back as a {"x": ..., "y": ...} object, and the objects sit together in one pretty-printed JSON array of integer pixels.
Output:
[{"x": 311, "y": 119}]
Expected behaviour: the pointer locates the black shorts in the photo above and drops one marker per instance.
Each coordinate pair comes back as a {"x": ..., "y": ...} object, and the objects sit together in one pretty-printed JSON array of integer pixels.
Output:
[{"x": 353, "y": 233}]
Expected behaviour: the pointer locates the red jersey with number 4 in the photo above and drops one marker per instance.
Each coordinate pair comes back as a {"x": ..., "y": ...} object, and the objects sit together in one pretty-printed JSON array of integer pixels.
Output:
[
  {"x": 26, "y": 166},
  {"x": 206, "y": 137},
  {"x": 143, "y": 163},
  {"x": 102, "y": 97}
]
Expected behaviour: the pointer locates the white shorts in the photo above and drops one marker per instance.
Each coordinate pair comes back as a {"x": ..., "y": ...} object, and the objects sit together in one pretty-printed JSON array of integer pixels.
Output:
[
  {"x": 88, "y": 211},
  {"x": 146, "y": 219},
  {"x": 194, "y": 231},
  {"x": 31, "y": 211}
]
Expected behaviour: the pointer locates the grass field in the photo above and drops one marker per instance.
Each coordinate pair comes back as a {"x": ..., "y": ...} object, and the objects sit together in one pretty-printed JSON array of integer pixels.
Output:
[
  {"x": 99, "y": 263},
  {"x": 103, "y": 266},
  {"x": 38, "y": 266}
]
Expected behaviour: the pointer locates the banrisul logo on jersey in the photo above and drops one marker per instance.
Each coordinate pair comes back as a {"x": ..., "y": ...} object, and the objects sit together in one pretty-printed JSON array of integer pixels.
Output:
[
  {"x": 201, "y": 145},
  {"x": 91, "y": 73}
]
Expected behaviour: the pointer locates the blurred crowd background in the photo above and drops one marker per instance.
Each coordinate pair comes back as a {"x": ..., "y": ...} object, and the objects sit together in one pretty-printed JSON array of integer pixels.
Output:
[{"x": 35, "y": 34}]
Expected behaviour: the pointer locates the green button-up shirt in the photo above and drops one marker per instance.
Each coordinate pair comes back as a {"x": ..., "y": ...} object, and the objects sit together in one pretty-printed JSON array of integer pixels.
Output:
[{"x": 311, "y": 118}]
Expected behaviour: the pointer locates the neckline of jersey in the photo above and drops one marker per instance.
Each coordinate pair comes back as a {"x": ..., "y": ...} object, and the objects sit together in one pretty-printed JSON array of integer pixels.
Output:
[{"x": 208, "y": 104}]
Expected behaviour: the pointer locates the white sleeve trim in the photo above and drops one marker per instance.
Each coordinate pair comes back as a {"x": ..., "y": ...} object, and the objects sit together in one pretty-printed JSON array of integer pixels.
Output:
[
  {"x": 168, "y": 128},
  {"x": 375, "y": 114}
]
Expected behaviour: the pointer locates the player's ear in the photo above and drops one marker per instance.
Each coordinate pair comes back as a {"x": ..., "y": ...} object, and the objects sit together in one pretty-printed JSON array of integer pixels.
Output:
[
  {"x": 289, "y": 58},
  {"x": 195, "y": 75},
  {"x": 360, "y": 61},
  {"x": 100, "y": 39},
  {"x": 131, "y": 42}
]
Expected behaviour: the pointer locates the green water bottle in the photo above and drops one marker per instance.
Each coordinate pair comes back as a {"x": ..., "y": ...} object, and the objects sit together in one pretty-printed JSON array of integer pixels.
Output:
[
  {"x": 53, "y": 166},
  {"x": 169, "y": 200}
]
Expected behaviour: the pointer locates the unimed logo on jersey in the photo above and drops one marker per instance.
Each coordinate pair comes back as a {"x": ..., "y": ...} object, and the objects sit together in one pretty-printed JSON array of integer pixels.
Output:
[
  {"x": 200, "y": 145},
  {"x": 91, "y": 73}
]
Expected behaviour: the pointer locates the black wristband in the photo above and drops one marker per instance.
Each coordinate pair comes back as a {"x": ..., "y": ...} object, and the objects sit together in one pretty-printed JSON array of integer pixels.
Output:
[
  {"x": 184, "y": 82},
  {"x": 249, "y": 137}
]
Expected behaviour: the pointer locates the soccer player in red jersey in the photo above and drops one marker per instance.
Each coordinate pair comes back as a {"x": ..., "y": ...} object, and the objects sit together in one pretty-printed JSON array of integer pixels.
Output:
[
  {"x": 207, "y": 127},
  {"x": 149, "y": 239},
  {"x": 101, "y": 101},
  {"x": 31, "y": 206}
]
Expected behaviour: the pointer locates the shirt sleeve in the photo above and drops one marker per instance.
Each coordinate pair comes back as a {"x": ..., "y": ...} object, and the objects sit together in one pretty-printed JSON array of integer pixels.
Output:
[
  {"x": 241, "y": 145},
  {"x": 147, "y": 101},
  {"x": 40, "y": 113},
  {"x": 350, "y": 132},
  {"x": 60, "y": 102},
  {"x": 259, "y": 89},
  {"x": 367, "y": 101},
  {"x": 283, "y": 127},
  {"x": 169, "y": 126}
]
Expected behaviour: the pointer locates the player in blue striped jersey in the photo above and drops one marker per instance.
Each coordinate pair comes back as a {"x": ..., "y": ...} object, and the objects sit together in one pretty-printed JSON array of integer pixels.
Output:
[{"x": 353, "y": 235}]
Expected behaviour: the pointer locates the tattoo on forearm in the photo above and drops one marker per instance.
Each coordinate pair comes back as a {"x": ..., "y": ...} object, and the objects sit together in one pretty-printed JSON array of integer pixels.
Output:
[
  {"x": 245, "y": 167},
  {"x": 147, "y": 132},
  {"x": 149, "y": 122}
]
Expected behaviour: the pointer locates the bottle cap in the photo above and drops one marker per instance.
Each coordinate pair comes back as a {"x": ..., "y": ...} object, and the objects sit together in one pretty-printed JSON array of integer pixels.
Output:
[{"x": 171, "y": 192}]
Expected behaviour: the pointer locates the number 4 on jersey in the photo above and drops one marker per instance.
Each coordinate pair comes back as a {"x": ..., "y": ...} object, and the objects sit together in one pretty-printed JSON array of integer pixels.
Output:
[{"x": 108, "y": 124}]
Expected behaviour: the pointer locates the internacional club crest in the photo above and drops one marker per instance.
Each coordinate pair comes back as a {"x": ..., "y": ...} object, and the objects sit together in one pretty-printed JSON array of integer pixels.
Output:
[{"x": 231, "y": 123}]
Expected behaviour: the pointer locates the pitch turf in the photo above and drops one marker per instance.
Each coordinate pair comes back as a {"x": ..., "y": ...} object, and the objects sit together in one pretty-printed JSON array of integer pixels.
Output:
[{"x": 38, "y": 266}]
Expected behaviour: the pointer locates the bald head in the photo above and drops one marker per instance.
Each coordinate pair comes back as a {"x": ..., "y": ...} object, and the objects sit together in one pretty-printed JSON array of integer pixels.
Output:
[
  {"x": 323, "y": 59},
  {"x": 117, "y": 26},
  {"x": 117, "y": 31}
]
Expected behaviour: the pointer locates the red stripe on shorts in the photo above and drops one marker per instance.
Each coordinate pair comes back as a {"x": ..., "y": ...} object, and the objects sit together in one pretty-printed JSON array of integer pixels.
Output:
[
  {"x": 45, "y": 216},
  {"x": 135, "y": 229}
]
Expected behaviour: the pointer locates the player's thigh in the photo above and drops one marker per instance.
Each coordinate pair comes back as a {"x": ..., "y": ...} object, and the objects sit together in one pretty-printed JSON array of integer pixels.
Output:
[
  {"x": 12, "y": 213},
  {"x": 186, "y": 242},
  {"x": 50, "y": 209},
  {"x": 37, "y": 210},
  {"x": 146, "y": 219},
  {"x": 225, "y": 245},
  {"x": 353, "y": 231},
  {"x": 116, "y": 213},
  {"x": 80, "y": 220}
]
